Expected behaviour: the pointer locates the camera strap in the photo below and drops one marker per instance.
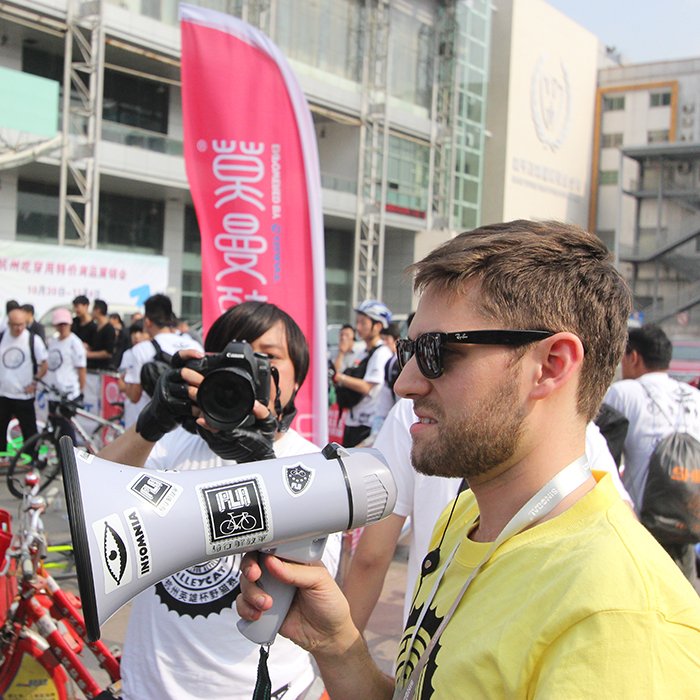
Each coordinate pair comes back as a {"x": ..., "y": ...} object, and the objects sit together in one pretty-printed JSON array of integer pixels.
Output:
[{"x": 540, "y": 505}]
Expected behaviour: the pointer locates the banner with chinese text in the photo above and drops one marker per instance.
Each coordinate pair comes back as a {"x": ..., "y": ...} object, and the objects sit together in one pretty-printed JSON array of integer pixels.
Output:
[{"x": 252, "y": 164}]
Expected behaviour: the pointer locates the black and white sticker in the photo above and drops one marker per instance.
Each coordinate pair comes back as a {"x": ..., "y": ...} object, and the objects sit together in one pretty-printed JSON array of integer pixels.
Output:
[
  {"x": 298, "y": 478},
  {"x": 236, "y": 514},
  {"x": 158, "y": 493},
  {"x": 114, "y": 554},
  {"x": 86, "y": 457},
  {"x": 139, "y": 540}
]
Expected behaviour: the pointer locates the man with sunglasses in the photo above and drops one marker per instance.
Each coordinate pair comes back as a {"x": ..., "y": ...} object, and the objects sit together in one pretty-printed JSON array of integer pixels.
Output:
[{"x": 540, "y": 582}]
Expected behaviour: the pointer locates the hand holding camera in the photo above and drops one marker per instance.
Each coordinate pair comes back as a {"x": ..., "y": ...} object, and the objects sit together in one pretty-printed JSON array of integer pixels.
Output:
[{"x": 223, "y": 392}]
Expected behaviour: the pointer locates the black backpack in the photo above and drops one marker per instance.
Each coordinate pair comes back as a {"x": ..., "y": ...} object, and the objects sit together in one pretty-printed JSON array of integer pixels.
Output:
[
  {"x": 154, "y": 368},
  {"x": 671, "y": 501},
  {"x": 347, "y": 398}
]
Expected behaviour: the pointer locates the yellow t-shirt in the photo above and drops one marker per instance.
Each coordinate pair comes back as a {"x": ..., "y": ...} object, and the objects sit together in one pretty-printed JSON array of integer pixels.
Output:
[{"x": 586, "y": 605}]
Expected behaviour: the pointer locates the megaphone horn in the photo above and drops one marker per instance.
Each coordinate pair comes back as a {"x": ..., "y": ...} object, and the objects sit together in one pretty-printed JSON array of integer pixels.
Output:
[{"x": 133, "y": 527}]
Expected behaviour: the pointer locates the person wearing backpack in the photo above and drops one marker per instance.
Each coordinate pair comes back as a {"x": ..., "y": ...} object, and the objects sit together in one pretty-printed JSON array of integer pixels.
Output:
[
  {"x": 162, "y": 344},
  {"x": 363, "y": 381},
  {"x": 657, "y": 407},
  {"x": 22, "y": 361}
]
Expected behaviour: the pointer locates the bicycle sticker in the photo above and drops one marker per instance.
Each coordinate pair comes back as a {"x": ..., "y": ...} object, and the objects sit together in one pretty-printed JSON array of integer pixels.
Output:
[
  {"x": 298, "y": 478},
  {"x": 139, "y": 539},
  {"x": 158, "y": 493},
  {"x": 116, "y": 563},
  {"x": 236, "y": 514}
]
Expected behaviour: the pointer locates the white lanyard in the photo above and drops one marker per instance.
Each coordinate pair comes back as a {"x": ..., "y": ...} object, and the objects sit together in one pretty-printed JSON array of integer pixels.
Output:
[{"x": 540, "y": 505}]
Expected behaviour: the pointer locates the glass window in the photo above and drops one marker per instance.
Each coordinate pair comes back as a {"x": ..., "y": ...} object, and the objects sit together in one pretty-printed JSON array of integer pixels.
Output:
[
  {"x": 128, "y": 223},
  {"x": 658, "y": 136},
  {"x": 659, "y": 99},
  {"x": 408, "y": 173},
  {"x": 608, "y": 177},
  {"x": 136, "y": 101},
  {"x": 477, "y": 55},
  {"x": 611, "y": 140},
  {"x": 614, "y": 103},
  {"x": 324, "y": 33},
  {"x": 339, "y": 262},
  {"x": 192, "y": 239},
  {"x": 191, "y": 295},
  {"x": 411, "y": 60},
  {"x": 37, "y": 213},
  {"x": 42, "y": 63}
]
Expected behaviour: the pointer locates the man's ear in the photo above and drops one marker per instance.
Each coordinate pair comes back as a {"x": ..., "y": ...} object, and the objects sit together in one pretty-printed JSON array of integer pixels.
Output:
[{"x": 557, "y": 363}]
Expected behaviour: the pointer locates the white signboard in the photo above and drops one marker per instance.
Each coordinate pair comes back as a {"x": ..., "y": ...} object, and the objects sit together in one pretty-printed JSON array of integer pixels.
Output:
[{"x": 49, "y": 275}]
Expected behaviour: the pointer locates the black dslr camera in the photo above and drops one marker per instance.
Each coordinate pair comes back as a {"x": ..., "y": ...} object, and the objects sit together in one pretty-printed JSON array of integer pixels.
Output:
[{"x": 233, "y": 380}]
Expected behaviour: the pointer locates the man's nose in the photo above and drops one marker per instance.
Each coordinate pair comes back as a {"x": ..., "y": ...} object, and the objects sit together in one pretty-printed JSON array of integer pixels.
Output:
[{"x": 411, "y": 382}]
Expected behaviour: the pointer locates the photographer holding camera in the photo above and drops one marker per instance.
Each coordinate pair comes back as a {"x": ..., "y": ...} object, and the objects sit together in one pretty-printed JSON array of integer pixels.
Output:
[{"x": 235, "y": 406}]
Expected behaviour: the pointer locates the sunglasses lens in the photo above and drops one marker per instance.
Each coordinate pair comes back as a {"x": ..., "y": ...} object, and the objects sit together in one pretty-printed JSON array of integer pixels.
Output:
[
  {"x": 429, "y": 355},
  {"x": 404, "y": 351}
]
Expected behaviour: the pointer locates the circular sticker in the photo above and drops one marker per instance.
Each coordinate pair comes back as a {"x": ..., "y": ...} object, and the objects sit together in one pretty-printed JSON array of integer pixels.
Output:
[
  {"x": 12, "y": 358},
  {"x": 204, "y": 589}
]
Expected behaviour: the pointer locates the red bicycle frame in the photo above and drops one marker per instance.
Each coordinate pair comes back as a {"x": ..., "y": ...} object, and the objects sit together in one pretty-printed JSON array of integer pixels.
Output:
[{"x": 35, "y": 653}]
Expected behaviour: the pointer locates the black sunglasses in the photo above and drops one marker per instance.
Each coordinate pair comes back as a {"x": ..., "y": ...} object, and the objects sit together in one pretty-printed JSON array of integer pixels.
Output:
[{"x": 427, "y": 347}]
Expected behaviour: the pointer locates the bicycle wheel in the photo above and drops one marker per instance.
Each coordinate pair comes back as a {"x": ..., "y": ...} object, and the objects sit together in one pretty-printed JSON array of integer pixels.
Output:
[{"x": 40, "y": 455}]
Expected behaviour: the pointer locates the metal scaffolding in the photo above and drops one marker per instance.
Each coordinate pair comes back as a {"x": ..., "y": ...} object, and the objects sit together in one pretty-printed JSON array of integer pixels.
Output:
[
  {"x": 373, "y": 156},
  {"x": 82, "y": 122},
  {"x": 442, "y": 152}
]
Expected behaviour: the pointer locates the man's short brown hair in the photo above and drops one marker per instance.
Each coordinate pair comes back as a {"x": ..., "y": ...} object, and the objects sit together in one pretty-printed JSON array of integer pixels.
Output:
[{"x": 541, "y": 276}]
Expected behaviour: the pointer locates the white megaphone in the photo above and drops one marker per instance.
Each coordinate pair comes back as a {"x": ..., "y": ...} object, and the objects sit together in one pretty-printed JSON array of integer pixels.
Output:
[{"x": 133, "y": 527}]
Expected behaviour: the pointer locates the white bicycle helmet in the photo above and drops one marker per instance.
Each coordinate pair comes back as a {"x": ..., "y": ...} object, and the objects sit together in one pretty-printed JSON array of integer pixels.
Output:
[{"x": 376, "y": 310}]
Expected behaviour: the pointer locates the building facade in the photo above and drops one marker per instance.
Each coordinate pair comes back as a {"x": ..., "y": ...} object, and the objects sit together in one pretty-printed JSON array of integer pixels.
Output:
[
  {"x": 397, "y": 90},
  {"x": 646, "y": 176}
]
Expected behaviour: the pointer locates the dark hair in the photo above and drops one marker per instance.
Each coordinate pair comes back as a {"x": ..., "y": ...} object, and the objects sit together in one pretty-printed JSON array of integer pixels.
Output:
[
  {"x": 393, "y": 330},
  {"x": 541, "y": 276},
  {"x": 81, "y": 299},
  {"x": 349, "y": 327},
  {"x": 652, "y": 344},
  {"x": 101, "y": 305},
  {"x": 11, "y": 306},
  {"x": 251, "y": 319},
  {"x": 158, "y": 309},
  {"x": 29, "y": 308},
  {"x": 136, "y": 326},
  {"x": 117, "y": 316}
]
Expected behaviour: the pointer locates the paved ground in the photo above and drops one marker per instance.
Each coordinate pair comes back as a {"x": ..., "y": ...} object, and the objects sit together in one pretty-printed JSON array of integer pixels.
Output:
[{"x": 383, "y": 631}]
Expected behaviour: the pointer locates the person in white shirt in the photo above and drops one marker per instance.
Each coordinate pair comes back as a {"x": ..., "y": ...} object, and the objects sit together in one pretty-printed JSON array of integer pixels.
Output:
[
  {"x": 182, "y": 641},
  {"x": 372, "y": 317},
  {"x": 157, "y": 323},
  {"x": 67, "y": 367},
  {"x": 131, "y": 408},
  {"x": 18, "y": 375},
  {"x": 656, "y": 406}
]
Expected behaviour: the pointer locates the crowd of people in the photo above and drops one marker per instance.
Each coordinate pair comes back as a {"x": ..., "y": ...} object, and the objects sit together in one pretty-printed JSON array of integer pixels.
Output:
[{"x": 530, "y": 573}]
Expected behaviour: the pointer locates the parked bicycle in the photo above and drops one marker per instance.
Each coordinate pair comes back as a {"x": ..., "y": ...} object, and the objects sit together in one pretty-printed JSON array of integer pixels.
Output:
[
  {"x": 43, "y": 632},
  {"x": 39, "y": 454}
]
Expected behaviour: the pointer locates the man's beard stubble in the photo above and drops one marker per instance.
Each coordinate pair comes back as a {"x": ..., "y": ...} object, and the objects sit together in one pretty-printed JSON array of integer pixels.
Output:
[{"x": 474, "y": 444}]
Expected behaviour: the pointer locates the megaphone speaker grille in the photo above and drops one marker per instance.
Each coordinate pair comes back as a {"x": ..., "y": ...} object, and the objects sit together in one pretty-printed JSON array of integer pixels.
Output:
[{"x": 78, "y": 533}]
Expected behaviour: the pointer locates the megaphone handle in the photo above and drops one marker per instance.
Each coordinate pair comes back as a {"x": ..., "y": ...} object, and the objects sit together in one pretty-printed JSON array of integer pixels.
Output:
[{"x": 264, "y": 630}]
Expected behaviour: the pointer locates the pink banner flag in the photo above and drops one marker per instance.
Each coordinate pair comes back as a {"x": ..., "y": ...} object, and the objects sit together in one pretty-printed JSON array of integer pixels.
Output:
[{"x": 252, "y": 164}]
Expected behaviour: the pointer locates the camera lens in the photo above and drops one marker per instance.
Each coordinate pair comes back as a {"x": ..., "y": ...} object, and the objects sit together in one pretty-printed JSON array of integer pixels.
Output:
[{"x": 226, "y": 397}]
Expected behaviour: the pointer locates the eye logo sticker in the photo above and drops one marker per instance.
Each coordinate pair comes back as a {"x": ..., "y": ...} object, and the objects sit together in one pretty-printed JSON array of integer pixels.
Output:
[
  {"x": 298, "y": 478},
  {"x": 116, "y": 562}
]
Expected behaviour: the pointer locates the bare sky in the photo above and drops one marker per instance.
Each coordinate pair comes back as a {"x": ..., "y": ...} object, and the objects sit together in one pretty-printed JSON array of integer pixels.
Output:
[{"x": 643, "y": 30}]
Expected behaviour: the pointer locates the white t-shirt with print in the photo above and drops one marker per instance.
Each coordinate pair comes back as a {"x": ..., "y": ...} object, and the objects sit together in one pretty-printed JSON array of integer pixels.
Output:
[
  {"x": 366, "y": 409},
  {"x": 177, "y": 650},
  {"x": 144, "y": 352},
  {"x": 16, "y": 369},
  {"x": 65, "y": 358}
]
